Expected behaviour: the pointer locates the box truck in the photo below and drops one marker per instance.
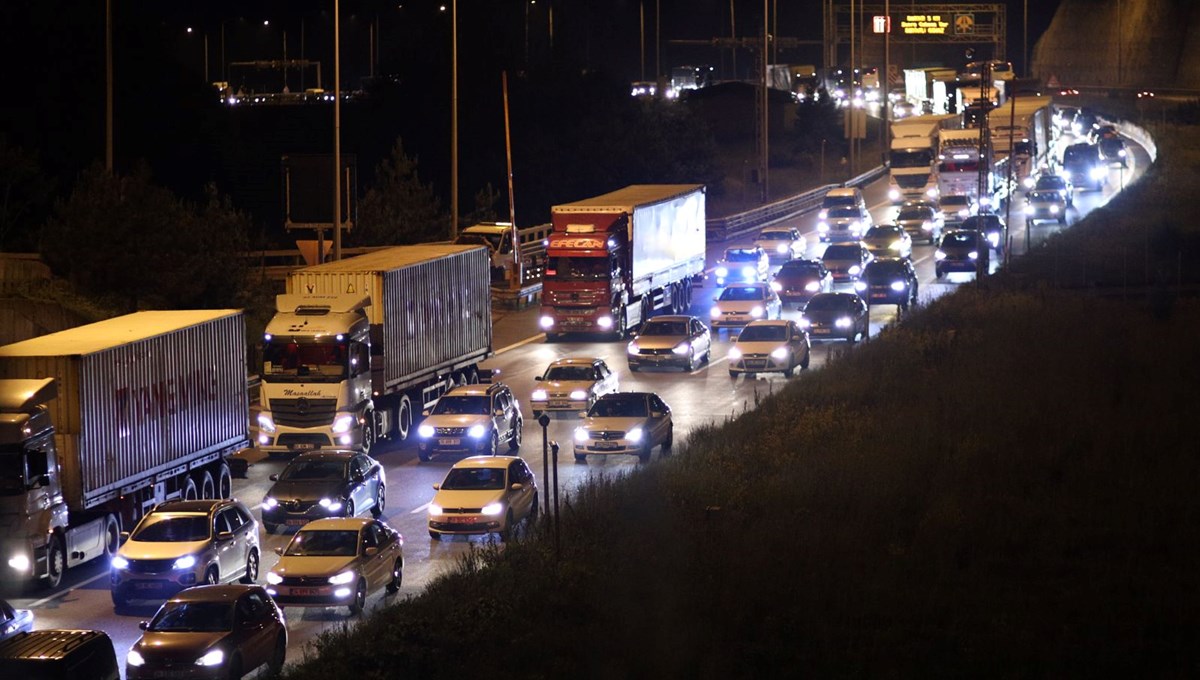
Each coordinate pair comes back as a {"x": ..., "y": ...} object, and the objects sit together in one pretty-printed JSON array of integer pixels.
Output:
[
  {"x": 912, "y": 160},
  {"x": 359, "y": 346},
  {"x": 613, "y": 259},
  {"x": 100, "y": 423}
]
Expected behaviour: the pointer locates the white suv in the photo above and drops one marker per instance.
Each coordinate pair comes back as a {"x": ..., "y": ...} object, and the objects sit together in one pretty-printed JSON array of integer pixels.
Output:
[{"x": 471, "y": 419}]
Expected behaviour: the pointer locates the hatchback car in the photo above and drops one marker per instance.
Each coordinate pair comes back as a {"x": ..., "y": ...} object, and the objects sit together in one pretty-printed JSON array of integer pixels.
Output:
[
  {"x": 799, "y": 280},
  {"x": 337, "y": 563},
  {"x": 319, "y": 484},
  {"x": 888, "y": 240},
  {"x": 889, "y": 282},
  {"x": 571, "y": 385},
  {"x": 833, "y": 315},
  {"x": 920, "y": 221},
  {"x": 180, "y": 544},
  {"x": 484, "y": 495},
  {"x": 211, "y": 632},
  {"x": 471, "y": 419},
  {"x": 961, "y": 250},
  {"x": 671, "y": 340},
  {"x": 1045, "y": 205},
  {"x": 1048, "y": 181},
  {"x": 625, "y": 423},
  {"x": 769, "y": 346},
  {"x": 846, "y": 261},
  {"x": 992, "y": 227},
  {"x": 843, "y": 225},
  {"x": 742, "y": 265},
  {"x": 737, "y": 306},
  {"x": 13, "y": 620},
  {"x": 782, "y": 243},
  {"x": 955, "y": 208}
]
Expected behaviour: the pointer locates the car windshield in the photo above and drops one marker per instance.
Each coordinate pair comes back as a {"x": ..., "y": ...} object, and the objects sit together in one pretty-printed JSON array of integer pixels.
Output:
[
  {"x": 800, "y": 269},
  {"x": 961, "y": 239},
  {"x": 827, "y": 303},
  {"x": 764, "y": 332},
  {"x": 314, "y": 470},
  {"x": 741, "y": 255},
  {"x": 193, "y": 617},
  {"x": 915, "y": 214},
  {"x": 462, "y": 405},
  {"x": 323, "y": 543},
  {"x": 844, "y": 212},
  {"x": 882, "y": 232},
  {"x": 619, "y": 406},
  {"x": 1077, "y": 153},
  {"x": 1045, "y": 196},
  {"x": 569, "y": 373},
  {"x": 163, "y": 528},
  {"x": 840, "y": 252},
  {"x": 776, "y": 236},
  {"x": 664, "y": 328},
  {"x": 833, "y": 202},
  {"x": 287, "y": 359},
  {"x": 1050, "y": 182},
  {"x": 885, "y": 269},
  {"x": 744, "y": 293},
  {"x": 954, "y": 201},
  {"x": 474, "y": 479}
]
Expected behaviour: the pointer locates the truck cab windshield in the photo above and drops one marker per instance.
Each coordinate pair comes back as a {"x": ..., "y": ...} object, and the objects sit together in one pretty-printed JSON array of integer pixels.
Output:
[
  {"x": 12, "y": 472},
  {"x": 285, "y": 361},
  {"x": 912, "y": 158},
  {"x": 578, "y": 268}
]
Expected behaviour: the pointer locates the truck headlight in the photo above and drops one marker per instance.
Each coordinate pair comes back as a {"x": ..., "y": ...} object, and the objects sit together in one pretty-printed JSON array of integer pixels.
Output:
[
  {"x": 492, "y": 509},
  {"x": 538, "y": 395},
  {"x": 273, "y": 578},
  {"x": 634, "y": 435},
  {"x": 780, "y": 353},
  {"x": 546, "y": 322},
  {"x": 266, "y": 423},
  {"x": 342, "y": 578},
  {"x": 118, "y": 562},
  {"x": 185, "y": 562},
  {"x": 214, "y": 658},
  {"x": 477, "y": 431},
  {"x": 331, "y": 504},
  {"x": 899, "y": 285},
  {"x": 425, "y": 431},
  {"x": 343, "y": 423},
  {"x": 894, "y": 194},
  {"x": 578, "y": 395},
  {"x": 581, "y": 435},
  {"x": 605, "y": 322}
]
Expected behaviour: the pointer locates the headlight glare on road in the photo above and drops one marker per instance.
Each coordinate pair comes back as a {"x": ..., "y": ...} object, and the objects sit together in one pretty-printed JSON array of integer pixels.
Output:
[
  {"x": 425, "y": 431},
  {"x": 135, "y": 658},
  {"x": 342, "y": 578},
  {"x": 780, "y": 353},
  {"x": 477, "y": 431},
  {"x": 634, "y": 435},
  {"x": 581, "y": 435},
  {"x": 492, "y": 509},
  {"x": 185, "y": 562},
  {"x": 538, "y": 395},
  {"x": 681, "y": 348},
  {"x": 273, "y": 578}
]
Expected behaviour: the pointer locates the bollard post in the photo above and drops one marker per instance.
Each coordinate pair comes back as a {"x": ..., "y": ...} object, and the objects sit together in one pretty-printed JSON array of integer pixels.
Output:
[
  {"x": 544, "y": 421},
  {"x": 554, "y": 452}
]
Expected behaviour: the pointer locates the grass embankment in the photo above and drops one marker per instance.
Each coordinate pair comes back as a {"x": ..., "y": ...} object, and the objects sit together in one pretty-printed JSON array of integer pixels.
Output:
[{"x": 1003, "y": 485}]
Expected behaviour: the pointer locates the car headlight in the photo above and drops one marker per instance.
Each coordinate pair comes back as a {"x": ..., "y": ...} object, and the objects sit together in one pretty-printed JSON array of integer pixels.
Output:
[
  {"x": 939, "y": 255},
  {"x": 273, "y": 578},
  {"x": 477, "y": 431},
  {"x": 1054, "y": 210},
  {"x": 782, "y": 248},
  {"x": 860, "y": 286},
  {"x": 749, "y": 272},
  {"x": 214, "y": 658},
  {"x": 185, "y": 562},
  {"x": 118, "y": 562},
  {"x": 632, "y": 347},
  {"x": 812, "y": 286},
  {"x": 135, "y": 658},
  {"x": 342, "y": 578},
  {"x": 715, "y": 312},
  {"x": 854, "y": 269},
  {"x": 780, "y": 353},
  {"x": 540, "y": 395},
  {"x": 896, "y": 245},
  {"x": 634, "y": 435},
  {"x": 266, "y": 423},
  {"x": 435, "y": 509},
  {"x": 894, "y": 194},
  {"x": 581, "y": 434},
  {"x": 926, "y": 226},
  {"x": 546, "y": 322},
  {"x": 722, "y": 272},
  {"x": 332, "y": 504},
  {"x": 578, "y": 395},
  {"x": 822, "y": 214},
  {"x": 1099, "y": 173},
  {"x": 734, "y": 354},
  {"x": 605, "y": 322},
  {"x": 492, "y": 509},
  {"x": 843, "y": 322},
  {"x": 803, "y": 322},
  {"x": 1029, "y": 210},
  {"x": 425, "y": 431},
  {"x": 682, "y": 348},
  {"x": 270, "y": 502},
  {"x": 757, "y": 312},
  {"x": 776, "y": 286},
  {"x": 1028, "y": 182},
  {"x": 822, "y": 226},
  {"x": 973, "y": 255},
  {"x": 899, "y": 285},
  {"x": 343, "y": 423}
]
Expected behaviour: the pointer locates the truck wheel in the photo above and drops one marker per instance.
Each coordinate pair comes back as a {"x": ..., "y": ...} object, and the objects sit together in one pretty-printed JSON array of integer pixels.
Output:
[
  {"x": 224, "y": 481},
  {"x": 368, "y": 432},
  {"x": 189, "y": 492},
  {"x": 404, "y": 418},
  {"x": 112, "y": 537},
  {"x": 622, "y": 325},
  {"x": 208, "y": 487},
  {"x": 56, "y": 562}
]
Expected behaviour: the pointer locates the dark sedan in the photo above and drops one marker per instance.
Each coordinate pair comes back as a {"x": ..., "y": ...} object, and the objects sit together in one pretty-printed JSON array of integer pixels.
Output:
[
  {"x": 799, "y": 280},
  {"x": 320, "y": 484},
  {"x": 890, "y": 282},
  {"x": 961, "y": 250},
  {"x": 991, "y": 226},
  {"x": 836, "y": 315},
  {"x": 211, "y": 632}
]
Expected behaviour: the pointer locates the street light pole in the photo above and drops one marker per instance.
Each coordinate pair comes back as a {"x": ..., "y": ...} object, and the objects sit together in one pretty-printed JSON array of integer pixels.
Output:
[
  {"x": 337, "y": 135},
  {"x": 454, "y": 120},
  {"x": 108, "y": 88}
]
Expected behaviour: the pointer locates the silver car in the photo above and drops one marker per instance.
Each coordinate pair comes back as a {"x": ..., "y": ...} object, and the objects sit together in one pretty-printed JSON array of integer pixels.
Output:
[
  {"x": 180, "y": 544},
  {"x": 572, "y": 385},
  {"x": 671, "y": 340},
  {"x": 782, "y": 243},
  {"x": 629, "y": 423},
  {"x": 921, "y": 222}
]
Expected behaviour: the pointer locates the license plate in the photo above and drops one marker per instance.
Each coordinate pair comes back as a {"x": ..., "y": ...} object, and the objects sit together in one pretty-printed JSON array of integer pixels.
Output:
[
  {"x": 606, "y": 446},
  {"x": 302, "y": 447},
  {"x": 821, "y": 331},
  {"x": 304, "y": 592},
  {"x": 878, "y": 295},
  {"x": 558, "y": 404},
  {"x": 462, "y": 520},
  {"x": 297, "y": 522},
  {"x": 145, "y": 585},
  {"x": 449, "y": 441},
  {"x": 182, "y": 673}
]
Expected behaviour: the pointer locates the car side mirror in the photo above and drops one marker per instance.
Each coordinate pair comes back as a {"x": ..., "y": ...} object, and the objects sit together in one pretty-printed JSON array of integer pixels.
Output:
[
  {"x": 279, "y": 551},
  {"x": 437, "y": 487},
  {"x": 657, "y": 414},
  {"x": 357, "y": 477},
  {"x": 498, "y": 412},
  {"x": 537, "y": 378},
  {"x": 425, "y": 413},
  {"x": 124, "y": 536},
  {"x": 517, "y": 486},
  {"x": 714, "y": 298},
  {"x": 43, "y": 480},
  {"x": 144, "y": 625},
  {"x": 225, "y": 536},
  {"x": 371, "y": 551},
  {"x": 274, "y": 478}
]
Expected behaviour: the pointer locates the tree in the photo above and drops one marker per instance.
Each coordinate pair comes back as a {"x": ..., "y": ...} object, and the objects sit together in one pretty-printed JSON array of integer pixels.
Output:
[
  {"x": 24, "y": 196},
  {"x": 485, "y": 207},
  {"x": 399, "y": 208}
]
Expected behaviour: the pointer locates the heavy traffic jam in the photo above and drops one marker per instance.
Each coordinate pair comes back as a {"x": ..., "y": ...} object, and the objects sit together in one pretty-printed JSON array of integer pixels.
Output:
[{"x": 124, "y": 441}]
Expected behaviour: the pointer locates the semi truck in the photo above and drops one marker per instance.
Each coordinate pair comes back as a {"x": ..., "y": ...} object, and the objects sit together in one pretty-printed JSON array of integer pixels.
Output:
[
  {"x": 958, "y": 163},
  {"x": 1021, "y": 131},
  {"x": 100, "y": 423},
  {"x": 614, "y": 259},
  {"x": 358, "y": 347},
  {"x": 912, "y": 160}
]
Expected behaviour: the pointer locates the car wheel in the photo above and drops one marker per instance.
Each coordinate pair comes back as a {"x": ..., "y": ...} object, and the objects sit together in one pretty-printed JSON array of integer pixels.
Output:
[
  {"x": 733, "y": 374},
  {"x": 377, "y": 508},
  {"x": 494, "y": 445},
  {"x": 397, "y": 576},
  {"x": 360, "y": 599},
  {"x": 1062, "y": 219},
  {"x": 691, "y": 363},
  {"x": 633, "y": 368},
  {"x": 790, "y": 370},
  {"x": 580, "y": 458},
  {"x": 668, "y": 442},
  {"x": 56, "y": 562},
  {"x": 514, "y": 442},
  {"x": 235, "y": 668},
  {"x": 534, "y": 509},
  {"x": 350, "y": 509},
  {"x": 938, "y": 272},
  {"x": 644, "y": 454},
  {"x": 551, "y": 337},
  {"x": 506, "y": 533},
  {"x": 212, "y": 577},
  {"x": 433, "y": 535},
  {"x": 807, "y": 358},
  {"x": 120, "y": 603},
  {"x": 279, "y": 656},
  {"x": 251, "y": 574}
]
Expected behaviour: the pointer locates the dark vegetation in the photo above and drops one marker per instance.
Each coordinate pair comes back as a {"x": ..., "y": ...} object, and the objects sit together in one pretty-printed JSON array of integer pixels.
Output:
[{"x": 1003, "y": 485}]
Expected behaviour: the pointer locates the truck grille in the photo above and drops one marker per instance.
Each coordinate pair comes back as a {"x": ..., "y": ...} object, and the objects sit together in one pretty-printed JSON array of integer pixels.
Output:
[
  {"x": 575, "y": 297},
  {"x": 911, "y": 181},
  {"x": 303, "y": 412}
]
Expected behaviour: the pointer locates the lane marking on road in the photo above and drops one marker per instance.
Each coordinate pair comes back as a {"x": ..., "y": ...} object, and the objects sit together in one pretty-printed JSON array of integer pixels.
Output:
[
  {"x": 419, "y": 509},
  {"x": 55, "y": 596},
  {"x": 526, "y": 341}
]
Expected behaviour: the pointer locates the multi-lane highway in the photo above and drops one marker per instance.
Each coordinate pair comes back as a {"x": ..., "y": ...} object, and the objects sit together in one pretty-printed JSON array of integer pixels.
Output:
[{"x": 699, "y": 397}]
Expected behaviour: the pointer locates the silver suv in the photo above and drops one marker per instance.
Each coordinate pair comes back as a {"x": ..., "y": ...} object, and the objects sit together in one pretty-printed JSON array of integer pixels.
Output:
[
  {"x": 180, "y": 544},
  {"x": 471, "y": 420}
]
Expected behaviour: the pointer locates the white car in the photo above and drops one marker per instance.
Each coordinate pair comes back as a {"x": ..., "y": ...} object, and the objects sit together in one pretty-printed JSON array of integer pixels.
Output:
[
  {"x": 483, "y": 495},
  {"x": 743, "y": 265},
  {"x": 956, "y": 208},
  {"x": 628, "y": 423},
  {"x": 739, "y": 305},
  {"x": 1046, "y": 204},
  {"x": 782, "y": 243},
  {"x": 841, "y": 225},
  {"x": 769, "y": 346},
  {"x": 572, "y": 385}
]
